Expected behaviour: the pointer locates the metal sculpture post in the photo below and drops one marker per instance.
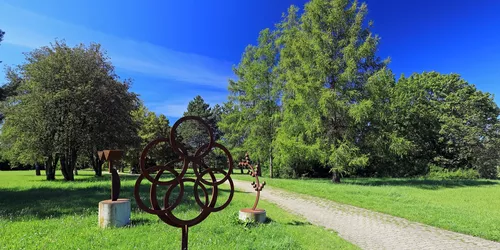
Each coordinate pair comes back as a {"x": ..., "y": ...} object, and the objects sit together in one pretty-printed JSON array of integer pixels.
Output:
[
  {"x": 200, "y": 170},
  {"x": 111, "y": 156},
  {"x": 114, "y": 212},
  {"x": 253, "y": 214}
]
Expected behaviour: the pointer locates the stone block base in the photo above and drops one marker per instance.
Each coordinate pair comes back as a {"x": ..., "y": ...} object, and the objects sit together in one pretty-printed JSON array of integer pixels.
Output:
[
  {"x": 114, "y": 213},
  {"x": 257, "y": 215}
]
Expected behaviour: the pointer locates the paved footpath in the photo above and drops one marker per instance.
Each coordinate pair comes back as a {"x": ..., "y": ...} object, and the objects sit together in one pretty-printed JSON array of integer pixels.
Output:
[{"x": 368, "y": 229}]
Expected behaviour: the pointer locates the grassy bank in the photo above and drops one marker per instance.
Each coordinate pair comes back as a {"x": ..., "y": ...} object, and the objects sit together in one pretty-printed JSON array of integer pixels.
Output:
[
  {"x": 466, "y": 206},
  {"x": 36, "y": 214}
]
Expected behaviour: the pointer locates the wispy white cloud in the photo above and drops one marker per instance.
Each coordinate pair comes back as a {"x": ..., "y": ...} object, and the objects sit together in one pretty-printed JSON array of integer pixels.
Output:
[
  {"x": 178, "y": 76},
  {"x": 31, "y": 30},
  {"x": 176, "y": 108},
  {"x": 171, "y": 110}
]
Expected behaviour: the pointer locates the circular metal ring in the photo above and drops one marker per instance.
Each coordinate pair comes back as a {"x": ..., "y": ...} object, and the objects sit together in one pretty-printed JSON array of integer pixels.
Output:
[
  {"x": 142, "y": 163},
  {"x": 226, "y": 175},
  {"x": 174, "y": 143}
]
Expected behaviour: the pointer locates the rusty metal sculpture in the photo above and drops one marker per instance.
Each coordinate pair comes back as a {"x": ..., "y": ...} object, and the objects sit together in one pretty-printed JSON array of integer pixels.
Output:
[
  {"x": 110, "y": 156},
  {"x": 256, "y": 184},
  {"x": 200, "y": 169}
]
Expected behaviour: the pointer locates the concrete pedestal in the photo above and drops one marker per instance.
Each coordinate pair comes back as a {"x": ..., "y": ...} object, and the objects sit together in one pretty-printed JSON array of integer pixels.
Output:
[
  {"x": 114, "y": 213},
  {"x": 257, "y": 215}
]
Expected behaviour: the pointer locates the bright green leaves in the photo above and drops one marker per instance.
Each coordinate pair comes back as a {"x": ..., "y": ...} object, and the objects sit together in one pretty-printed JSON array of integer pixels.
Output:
[
  {"x": 252, "y": 114},
  {"x": 68, "y": 103},
  {"x": 450, "y": 123}
]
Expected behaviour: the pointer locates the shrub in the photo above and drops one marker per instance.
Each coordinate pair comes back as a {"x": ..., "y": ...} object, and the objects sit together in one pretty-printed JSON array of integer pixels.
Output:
[{"x": 436, "y": 172}]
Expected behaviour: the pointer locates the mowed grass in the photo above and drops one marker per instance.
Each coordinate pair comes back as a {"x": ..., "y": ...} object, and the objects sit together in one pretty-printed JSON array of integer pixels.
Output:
[
  {"x": 37, "y": 214},
  {"x": 466, "y": 206}
]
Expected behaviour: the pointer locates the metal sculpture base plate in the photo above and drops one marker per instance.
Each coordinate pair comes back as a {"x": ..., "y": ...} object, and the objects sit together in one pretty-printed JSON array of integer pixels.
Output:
[
  {"x": 257, "y": 215},
  {"x": 114, "y": 213}
]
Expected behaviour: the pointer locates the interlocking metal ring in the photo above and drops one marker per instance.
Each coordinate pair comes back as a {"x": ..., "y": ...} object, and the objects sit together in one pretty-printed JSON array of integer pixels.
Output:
[{"x": 200, "y": 170}]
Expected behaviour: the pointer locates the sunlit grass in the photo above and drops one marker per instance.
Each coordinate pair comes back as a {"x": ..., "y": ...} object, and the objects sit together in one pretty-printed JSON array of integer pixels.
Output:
[
  {"x": 37, "y": 214},
  {"x": 466, "y": 206}
]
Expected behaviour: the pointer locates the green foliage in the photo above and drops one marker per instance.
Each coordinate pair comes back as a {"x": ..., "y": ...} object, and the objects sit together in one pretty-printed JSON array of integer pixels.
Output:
[
  {"x": 313, "y": 95},
  {"x": 252, "y": 113},
  {"x": 192, "y": 134},
  {"x": 69, "y": 104},
  {"x": 439, "y": 173},
  {"x": 449, "y": 123},
  {"x": 325, "y": 63},
  {"x": 347, "y": 156},
  {"x": 150, "y": 127},
  {"x": 9, "y": 89}
]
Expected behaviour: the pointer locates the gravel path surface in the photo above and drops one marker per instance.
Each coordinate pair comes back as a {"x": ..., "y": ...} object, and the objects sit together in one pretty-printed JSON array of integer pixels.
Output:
[{"x": 368, "y": 229}]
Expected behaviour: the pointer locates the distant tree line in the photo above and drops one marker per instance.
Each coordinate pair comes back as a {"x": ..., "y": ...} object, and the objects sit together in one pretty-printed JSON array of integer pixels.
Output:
[{"x": 312, "y": 98}]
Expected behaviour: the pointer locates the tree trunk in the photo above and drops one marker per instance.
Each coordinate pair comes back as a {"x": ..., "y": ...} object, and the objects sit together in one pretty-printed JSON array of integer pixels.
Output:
[
  {"x": 336, "y": 176},
  {"x": 98, "y": 169},
  {"x": 72, "y": 164},
  {"x": 50, "y": 167},
  {"x": 67, "y": 165},
  {"x": 135, "y": 168},
  {"x": 64, "y": 165},
  {"x": 259, "y": 169},
  {"x": 37, "y": 170},
  {"x": 270, "y": 164},
  {"x": 121, "y": 166},
  {"x": 96, "y": 164}
]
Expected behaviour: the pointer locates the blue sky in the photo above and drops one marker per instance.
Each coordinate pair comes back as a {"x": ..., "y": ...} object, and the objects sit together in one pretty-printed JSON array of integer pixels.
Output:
[{"x": 175, "y": 50}]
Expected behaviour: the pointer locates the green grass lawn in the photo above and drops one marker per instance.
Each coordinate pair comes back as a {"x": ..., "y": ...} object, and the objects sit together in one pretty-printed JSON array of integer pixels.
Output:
[
  {"x": 467, "y": 206},
  {"x": 37, "y": 214}
]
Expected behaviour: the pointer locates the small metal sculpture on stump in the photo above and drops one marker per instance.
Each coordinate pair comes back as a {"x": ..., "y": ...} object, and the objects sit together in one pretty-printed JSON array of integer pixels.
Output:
[
  {"x": 114, "y": 212},
  {"x": 200, "y": 169},
  {"x": 254, "y": 214},
  {"x": 110, "y": 156}
]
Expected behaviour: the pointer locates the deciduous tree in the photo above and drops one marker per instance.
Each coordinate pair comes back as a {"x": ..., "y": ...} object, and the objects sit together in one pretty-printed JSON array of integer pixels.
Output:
[
  {"x": 448, "y": 121},
  {"x": 70, "y": 103}
]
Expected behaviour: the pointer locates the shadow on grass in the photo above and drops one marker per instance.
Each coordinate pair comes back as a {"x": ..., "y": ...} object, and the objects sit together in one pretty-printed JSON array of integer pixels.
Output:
[
  {"x": 252, "y": 224},
  {"x": 90, "y": 178},
  {"x": 299, "y": 223},
  {"x": 55, "y": 201},
  {"x": 419, "y": 183},
  {"x": 47, "y": 202},
  {"x": 138, "y": 222},
  {"x": 268, "y": 220}
]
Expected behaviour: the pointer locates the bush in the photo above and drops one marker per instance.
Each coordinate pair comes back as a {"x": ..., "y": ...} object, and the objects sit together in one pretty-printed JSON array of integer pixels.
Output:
[
  {"x": 488, "y": 171},
  {"x": 436, "y": 172}
]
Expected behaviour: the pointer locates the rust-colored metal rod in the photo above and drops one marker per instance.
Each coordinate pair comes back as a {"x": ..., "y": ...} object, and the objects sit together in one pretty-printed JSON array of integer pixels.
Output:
[
  {"x": 257, "y": 197},
  {"x": 184, "y": 237},
  {"x": 256, "y": 185},
  {"x": 115, "y": 185},
  {"x": 200, "y": 170}
]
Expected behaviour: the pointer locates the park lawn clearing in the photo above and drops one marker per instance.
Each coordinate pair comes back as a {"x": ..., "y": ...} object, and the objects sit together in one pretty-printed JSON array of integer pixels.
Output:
[
  {"x": 38, "y": 214},
  {"x": 464, "y": 206}
]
